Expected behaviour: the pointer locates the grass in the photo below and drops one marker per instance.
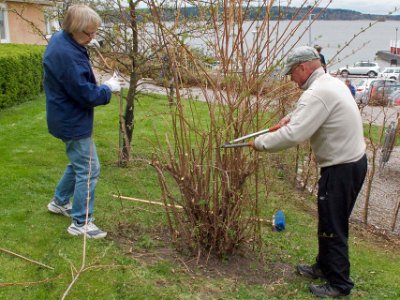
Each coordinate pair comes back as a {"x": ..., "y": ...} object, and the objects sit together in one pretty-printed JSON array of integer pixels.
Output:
[{"x": 32, "y": 161}]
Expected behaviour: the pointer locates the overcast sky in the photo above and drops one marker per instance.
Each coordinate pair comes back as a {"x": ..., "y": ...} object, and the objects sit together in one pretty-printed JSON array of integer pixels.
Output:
[{"x": 379, "y": 7}]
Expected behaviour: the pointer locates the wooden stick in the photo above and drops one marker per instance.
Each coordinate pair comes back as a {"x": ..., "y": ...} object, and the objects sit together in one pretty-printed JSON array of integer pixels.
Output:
[
  {"x": 4, "y": 284},
  {"x": 27, "y": 259},
  {"x": 176, "y": 206},
  {"x": 146, "y": 201},
  {"x": 102, "y": 58}
]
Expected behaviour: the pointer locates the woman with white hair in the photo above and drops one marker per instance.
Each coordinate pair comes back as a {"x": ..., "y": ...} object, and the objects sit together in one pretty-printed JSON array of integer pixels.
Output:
[{"x": 71, "y": 96}]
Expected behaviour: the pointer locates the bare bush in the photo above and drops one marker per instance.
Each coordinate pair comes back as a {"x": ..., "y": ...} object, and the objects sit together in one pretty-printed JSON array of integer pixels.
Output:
[{"x": 221, "y": 189}]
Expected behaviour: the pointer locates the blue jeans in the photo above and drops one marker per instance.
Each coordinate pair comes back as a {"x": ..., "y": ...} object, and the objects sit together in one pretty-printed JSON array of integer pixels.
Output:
[{"x": 83, "y": 170}]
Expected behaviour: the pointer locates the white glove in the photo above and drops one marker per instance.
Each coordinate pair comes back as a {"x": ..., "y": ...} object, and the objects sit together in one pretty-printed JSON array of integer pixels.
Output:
[
  {"x": 113, "y": 83},
  {"x": 94, "y": 43}
]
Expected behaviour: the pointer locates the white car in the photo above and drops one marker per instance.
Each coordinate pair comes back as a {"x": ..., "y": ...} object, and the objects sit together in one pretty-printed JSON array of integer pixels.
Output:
[
  {"x": 391, "y": 73},
  {"x": 368, "y": 68}
]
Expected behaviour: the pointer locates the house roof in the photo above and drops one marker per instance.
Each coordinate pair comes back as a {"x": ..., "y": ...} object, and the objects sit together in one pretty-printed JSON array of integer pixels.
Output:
[{"x": 43, "y": 2}]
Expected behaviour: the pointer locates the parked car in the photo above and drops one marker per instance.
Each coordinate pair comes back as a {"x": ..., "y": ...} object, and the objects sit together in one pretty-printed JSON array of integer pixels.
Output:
[
  {"x": 380, "y": 95},
  {"x": 370, "y": 69},
  {"x": 376, "y": 90},
  {"x": 361, "y": 85},
  {"x": 394, "y": 98},
  {"x": 391, "y": 73}
]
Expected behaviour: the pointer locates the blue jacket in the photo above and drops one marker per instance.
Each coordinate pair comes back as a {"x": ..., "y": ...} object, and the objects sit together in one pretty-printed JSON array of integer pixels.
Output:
[
  {"x": 352, "y": 90},
  {"x": 71, "y": 89}
]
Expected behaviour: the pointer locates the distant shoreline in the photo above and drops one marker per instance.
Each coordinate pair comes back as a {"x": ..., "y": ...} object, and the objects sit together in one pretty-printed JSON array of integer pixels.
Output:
[{"x": 289, "y": 13}]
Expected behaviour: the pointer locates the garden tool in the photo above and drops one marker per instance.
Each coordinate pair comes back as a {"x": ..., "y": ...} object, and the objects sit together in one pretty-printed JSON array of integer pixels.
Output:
[{"x": 234, "y": 143}]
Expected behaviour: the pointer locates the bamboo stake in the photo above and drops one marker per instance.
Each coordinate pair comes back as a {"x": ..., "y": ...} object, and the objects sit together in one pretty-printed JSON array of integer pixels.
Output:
[
  {"x": 84, "y": 252},
  {"x": 75, "y": 278},
  {"x": 146, "y": 201},
  {"x": 176, "y": 206},
  {"x": 25, "y": 258},
  {"x": 102, "y": 58}
]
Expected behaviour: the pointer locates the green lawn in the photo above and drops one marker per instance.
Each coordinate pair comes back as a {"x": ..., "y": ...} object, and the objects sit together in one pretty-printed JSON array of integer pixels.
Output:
[{"x": 128, "y": 264}]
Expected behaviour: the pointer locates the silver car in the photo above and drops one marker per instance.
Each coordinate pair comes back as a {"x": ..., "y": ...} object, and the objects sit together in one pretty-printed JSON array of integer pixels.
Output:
[{"x": 370, "y": 69}]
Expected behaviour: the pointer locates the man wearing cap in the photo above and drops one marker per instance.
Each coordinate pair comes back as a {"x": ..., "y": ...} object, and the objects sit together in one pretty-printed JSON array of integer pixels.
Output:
[{"x": 327, "y": 115}]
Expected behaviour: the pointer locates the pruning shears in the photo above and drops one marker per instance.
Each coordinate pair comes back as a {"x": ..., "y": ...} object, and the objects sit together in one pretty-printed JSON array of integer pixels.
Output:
[{"x": 234, "y": 143}]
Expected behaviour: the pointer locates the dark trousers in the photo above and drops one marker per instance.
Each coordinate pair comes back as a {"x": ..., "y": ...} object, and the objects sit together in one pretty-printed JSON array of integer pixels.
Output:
[{"x": 338, "y": 189}]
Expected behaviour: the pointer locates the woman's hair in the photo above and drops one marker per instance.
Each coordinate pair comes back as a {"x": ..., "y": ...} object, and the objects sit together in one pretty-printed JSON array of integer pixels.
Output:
[{"x": 79, "y": 17}]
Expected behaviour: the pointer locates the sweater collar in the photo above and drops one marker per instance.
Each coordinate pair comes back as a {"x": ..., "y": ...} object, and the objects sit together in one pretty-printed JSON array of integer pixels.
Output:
[{"x": 315, "y": 75}]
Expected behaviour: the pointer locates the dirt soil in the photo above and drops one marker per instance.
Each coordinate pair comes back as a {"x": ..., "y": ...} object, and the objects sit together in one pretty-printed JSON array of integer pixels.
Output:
[{"x": 244, "y": 267}]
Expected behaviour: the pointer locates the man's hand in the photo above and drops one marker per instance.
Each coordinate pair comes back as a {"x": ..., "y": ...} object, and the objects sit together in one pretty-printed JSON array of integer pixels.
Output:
[
  {"x": 284, "y": 121},
  {"x": 252, "y": 145},
  {"x": 113, "y": 83}
]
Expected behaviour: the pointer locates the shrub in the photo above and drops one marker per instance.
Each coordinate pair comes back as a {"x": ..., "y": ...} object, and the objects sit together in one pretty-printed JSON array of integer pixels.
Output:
[{"x": 21, "y": 73}]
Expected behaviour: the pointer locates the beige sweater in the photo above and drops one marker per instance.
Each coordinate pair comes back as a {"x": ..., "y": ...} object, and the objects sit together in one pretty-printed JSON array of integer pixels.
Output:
[{"x": 327, "y": 114}]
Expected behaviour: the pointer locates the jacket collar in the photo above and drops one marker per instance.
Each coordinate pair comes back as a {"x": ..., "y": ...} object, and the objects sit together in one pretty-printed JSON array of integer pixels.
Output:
[
  {"x": 314, "y": 76},
  {"x": 69, "y": 38}
]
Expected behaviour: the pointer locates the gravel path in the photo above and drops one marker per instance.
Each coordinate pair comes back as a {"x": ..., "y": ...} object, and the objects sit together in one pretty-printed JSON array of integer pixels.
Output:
[
  {"x": 384, "y": 196},
  {"x": 377, "y": 115},
  {"x": 385, "y": 189}
]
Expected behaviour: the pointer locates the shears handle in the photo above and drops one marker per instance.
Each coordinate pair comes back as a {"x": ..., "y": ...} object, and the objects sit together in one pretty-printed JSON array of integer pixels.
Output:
[
  {"x": 271, "y": 129},
  {"x": 229, "y": 145}
]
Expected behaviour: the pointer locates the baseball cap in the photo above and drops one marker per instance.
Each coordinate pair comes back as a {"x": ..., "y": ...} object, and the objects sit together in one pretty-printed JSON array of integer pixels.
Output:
[{"x": 299, "y": 55}]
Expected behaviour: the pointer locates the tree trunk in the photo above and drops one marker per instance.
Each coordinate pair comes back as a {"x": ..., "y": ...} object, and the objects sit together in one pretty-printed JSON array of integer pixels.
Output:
[{"x": 129, "y": 116}]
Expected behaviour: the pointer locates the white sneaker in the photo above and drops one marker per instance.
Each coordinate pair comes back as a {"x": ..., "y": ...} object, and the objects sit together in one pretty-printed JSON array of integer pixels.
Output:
[
  {"x": 91, "y": 230},
  {"x": 64, "y": 210}
]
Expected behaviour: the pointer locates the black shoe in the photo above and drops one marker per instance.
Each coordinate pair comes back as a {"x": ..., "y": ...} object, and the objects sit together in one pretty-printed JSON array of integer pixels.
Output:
[
  {"x": 326, "y": 291},
  {"x": 312, "y": 272}
]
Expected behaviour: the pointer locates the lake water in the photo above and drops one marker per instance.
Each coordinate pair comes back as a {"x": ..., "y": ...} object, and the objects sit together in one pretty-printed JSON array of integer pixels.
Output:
[{"x": 333, "y": 35}]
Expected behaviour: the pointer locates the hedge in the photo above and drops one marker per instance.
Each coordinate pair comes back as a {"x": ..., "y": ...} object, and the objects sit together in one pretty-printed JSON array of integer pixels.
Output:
[{"x": 21, "y": 73}]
